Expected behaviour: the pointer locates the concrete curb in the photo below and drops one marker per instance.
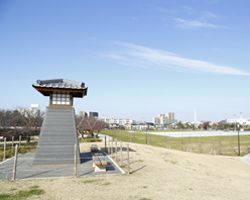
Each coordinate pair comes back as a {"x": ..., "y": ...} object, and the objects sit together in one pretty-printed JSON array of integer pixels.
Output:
[{"x": 116, "y": 164}]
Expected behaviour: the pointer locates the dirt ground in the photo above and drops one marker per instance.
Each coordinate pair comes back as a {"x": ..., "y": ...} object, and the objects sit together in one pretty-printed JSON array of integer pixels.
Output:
[{"x": 156, "y": 173}]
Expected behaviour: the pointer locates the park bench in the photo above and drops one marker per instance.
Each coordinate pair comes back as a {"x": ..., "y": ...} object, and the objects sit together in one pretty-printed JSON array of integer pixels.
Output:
[
  {"x": 99, "y": 163},
  {"x": 94, "y": 148}
]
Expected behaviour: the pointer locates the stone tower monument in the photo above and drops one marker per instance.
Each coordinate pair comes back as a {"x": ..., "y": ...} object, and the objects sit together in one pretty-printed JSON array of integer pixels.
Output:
[{"x": 58, "y": 133}]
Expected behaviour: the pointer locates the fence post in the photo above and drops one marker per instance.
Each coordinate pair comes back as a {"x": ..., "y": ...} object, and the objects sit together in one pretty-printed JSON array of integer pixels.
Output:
[
  {"x": 12, "y": 146},
  {"x": 112, "y": 148},
  {"x": 190, "y": 149},
  {"x": 75, "y": 167},
  {"x": 181, "y": 141},
  {"x": 115, "y": 150},
  {"x": 165, "y": 141},
  {"x": 108, "y": 146},
  {"x": 213, "y": 146},
  {"x": 20, "y": 137},
  {"x": 220, "y": 144},
  {"x": 128, "y": 156},
  {"x": 15, "y": 161},
  {"x": 134, "y": 135},
  {"x": 4, "y": 148},
  {"x": 169, "y": 145},
  {"x": 105, "y": 145},
  {"x": 200, "y": 144},
  {"x": 121, "y": 152}
]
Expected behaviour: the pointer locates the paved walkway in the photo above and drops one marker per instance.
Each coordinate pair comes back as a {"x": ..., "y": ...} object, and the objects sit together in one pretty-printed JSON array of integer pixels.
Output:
[
  {"x": 246, "y": 159},
  {"x": 25, "y": 169}
]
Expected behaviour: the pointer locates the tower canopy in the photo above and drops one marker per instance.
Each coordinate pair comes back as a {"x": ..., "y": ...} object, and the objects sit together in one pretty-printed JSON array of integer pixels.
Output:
[{"x": 47, "y": 87}]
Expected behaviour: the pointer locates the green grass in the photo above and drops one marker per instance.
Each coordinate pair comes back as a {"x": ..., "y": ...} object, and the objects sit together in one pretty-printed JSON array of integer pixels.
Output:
[
  {"x": 145, "y": 199},
  {"x": 145, "y": 187},
  {"x": 34, "y": 187},
  {"x": 89, "y": 181},
  {"x": 224, "y": 145},
  {"x": 107, "y": 183},
  {"x": 23, "y": 194}
]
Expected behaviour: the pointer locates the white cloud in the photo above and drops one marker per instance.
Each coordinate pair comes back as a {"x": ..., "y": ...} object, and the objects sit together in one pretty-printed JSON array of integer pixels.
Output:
[
  {"x": 140, "y": 56},
  {"x": 182, "y": 23}
]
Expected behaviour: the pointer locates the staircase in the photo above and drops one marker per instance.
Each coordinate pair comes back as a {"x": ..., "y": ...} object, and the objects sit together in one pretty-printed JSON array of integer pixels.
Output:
[{"x": 57, "y": 138}]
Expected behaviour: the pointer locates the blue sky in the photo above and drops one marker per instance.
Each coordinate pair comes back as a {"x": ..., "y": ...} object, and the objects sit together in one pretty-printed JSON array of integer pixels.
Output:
[{"x": 138, "y": 58}]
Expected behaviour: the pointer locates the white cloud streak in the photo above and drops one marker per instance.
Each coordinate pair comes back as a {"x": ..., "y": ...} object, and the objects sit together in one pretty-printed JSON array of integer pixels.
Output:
[
  {"x": 139, "y": 56},
  {"x": 182, "y": 23}
]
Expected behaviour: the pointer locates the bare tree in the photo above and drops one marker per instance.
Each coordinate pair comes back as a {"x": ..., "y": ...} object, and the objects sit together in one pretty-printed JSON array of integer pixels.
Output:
[
  {"x": 90, "y": 124},
  {"x": 14, "y": 123}
]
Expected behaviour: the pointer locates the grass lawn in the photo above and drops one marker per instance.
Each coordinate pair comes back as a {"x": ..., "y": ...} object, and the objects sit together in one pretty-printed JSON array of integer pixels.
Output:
[{"x": 222, "y": 145}]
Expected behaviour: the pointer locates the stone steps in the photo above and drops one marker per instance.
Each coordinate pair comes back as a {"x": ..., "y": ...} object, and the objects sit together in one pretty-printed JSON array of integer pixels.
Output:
[{"x": 57, "y": 138}]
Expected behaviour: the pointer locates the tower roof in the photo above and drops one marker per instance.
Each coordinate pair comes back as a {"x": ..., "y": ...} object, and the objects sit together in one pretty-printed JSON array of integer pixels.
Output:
[{"x": 46, "y": 87}]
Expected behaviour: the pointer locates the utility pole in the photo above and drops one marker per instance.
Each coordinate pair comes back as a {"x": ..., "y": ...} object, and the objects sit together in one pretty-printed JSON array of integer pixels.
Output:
[{"x": 238, "y": 139}]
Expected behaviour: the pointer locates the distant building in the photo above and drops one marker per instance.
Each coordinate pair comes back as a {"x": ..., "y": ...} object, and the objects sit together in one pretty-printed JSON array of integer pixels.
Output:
[
  {"x": 82, "y": 114},
  {"x": 118, "y": 121},
  {"x": 33, "y": 111},
  {"x": 164, "y": 119},
  {"x": 238, "y": 121},
  {"x": 88, "y": 114}
]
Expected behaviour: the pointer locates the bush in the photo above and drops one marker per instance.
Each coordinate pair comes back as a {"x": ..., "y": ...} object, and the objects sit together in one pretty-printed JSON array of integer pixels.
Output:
[{"x": 7, "y": 154}]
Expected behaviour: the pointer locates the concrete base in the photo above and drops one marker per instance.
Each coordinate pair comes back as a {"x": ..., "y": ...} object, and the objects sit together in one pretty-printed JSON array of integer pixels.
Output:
[{"x": 99, "y": 168}]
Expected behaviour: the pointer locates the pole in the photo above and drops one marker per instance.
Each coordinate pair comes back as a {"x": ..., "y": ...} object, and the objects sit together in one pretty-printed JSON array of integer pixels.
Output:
[
  {"x": 121, "y": 153},
  {"x": 213, "y": 146},
  {"x": 15, "y": 161},
  {"x": 128, "y": 157},
  {"x": 108, "y": 146},
  {"x": 20, "y": 137},
  {"x": 220, "y": 144},
  {"x": 75, "y": 168},
  {"x": 169, "y": 143},
  {"x": 165, "y": 140},
  {"x": 190, "y": 143},
  {"x": 148, "y": 138},
  {"x": 115, "y": 150},
  {"x": 4, "y": 148},
  {"x": 200, "y": 143},
  {"x": 12, "y": 146},
  {"x": 238, "y": 140},
  {"x": 134, "y": 135},
  {"x": 235, "y": 123},
  {"x": 181, "y": 141},
  {"x": 112, "y": 148},
  {"x": 105, "y": 145}
]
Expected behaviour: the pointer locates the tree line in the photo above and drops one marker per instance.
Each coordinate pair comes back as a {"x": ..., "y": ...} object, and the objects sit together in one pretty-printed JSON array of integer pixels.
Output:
[{"x": 25, "y": 123}]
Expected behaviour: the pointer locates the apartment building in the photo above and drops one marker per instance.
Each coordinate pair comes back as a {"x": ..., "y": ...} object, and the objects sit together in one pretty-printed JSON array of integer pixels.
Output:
[
  {"x": 118, "y": 121},
  {"x": 33, "y": 111},
  {"x": 88, "y": 114},
  {"x": 163, "y": 119}
]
